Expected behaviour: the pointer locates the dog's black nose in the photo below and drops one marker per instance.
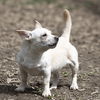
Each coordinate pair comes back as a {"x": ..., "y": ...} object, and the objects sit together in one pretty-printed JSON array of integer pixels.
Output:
[{"x": 56, "y": 38}]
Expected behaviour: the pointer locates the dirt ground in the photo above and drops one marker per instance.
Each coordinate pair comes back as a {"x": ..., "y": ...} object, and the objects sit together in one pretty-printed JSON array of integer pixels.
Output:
[{"x": 85, "y": 35}]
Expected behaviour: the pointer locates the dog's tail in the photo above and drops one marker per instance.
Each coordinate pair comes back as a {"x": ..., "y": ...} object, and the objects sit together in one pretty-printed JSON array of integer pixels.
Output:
[{"x": 67, "y": 29}]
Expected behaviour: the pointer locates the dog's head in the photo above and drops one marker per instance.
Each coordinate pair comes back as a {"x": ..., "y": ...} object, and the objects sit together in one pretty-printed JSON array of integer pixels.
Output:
[{"x": 39, "y": 36}]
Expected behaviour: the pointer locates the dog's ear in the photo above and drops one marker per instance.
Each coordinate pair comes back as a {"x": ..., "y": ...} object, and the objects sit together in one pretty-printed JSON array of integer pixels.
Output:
[
  {"x": 37, "y": 24},
  {"x": 24, "y": 34}
]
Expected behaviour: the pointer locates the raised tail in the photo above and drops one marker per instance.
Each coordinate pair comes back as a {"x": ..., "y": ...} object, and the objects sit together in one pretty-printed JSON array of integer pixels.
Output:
[{"x": 68, "y": 22}]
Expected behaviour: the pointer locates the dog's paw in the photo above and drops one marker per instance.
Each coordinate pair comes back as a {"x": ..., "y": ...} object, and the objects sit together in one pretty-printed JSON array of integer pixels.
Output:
[
  {"x": 20, "y": 89},
  {"x": 46, "y": 93},
  {"x": 74, "y": 87},
  {"x": 53, "y": 87}
]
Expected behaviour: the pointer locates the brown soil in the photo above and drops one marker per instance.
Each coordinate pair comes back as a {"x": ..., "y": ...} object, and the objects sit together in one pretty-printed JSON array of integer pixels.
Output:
[{"x": 19, "y": 14}]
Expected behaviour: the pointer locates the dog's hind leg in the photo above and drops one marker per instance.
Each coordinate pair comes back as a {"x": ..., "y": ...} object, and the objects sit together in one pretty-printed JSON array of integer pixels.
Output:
[
  {"x": 74, "y": 68},
  {"x": 23, "y": 85},
  {"x": 55, "y": 80}
]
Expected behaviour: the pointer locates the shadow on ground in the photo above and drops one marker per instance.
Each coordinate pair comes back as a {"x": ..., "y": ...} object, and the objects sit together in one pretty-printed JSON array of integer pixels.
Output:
[{"x": 10, "y": 89}]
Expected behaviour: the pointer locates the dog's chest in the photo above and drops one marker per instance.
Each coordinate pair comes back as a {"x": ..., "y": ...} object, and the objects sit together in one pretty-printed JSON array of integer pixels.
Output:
[
  {"x": 30, "y": 64},
  {"x": 29, "y": 61}
]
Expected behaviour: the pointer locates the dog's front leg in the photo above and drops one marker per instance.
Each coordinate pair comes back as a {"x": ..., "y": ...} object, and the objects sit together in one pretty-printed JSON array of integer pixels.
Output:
[
  {"x": 47, "y": 75},
  {"x": 23, "y": 76}
]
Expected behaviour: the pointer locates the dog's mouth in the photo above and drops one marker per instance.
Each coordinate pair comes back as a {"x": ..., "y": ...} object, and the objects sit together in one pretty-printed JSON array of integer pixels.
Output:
[
  {"x": 54, "y": 44},
  {"x": 50, "y": 45}
]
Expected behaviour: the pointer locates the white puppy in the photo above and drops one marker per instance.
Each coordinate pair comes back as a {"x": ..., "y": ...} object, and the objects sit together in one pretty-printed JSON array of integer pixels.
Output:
[
  {"x": 34, "y": 44},
  {"x": 50, "y": 61}
]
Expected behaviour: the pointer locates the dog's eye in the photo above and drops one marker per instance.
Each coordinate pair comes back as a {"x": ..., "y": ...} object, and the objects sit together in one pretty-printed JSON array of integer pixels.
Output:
[{"x": 44, "y": 35}]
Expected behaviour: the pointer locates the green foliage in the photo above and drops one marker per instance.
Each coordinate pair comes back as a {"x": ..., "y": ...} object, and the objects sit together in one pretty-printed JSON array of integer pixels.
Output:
[
  {"x": 40, "y": 1},
  {"x": 49, "y": 97},
  {"x": 31, "y": 1},
  {"x": 65, "y": 74},
  {"x": 3, "y": 1}
]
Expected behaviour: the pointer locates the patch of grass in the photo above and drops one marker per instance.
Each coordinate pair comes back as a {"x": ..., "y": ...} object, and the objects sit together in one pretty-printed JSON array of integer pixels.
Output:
[
  {"x": 40, "y": 1},
  {"x": 50, "y": 97},
  {"x": 65, "y": 74},
  {"x": 59, "y": 5},
  {"x": 62, "y": 5},
  {"x": 3, "y": 1},
  {"x": 61, "y": 99}
]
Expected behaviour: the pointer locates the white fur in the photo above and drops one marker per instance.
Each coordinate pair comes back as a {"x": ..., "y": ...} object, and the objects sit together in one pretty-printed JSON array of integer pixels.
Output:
[
  {"x": 33, "y": 46},
  {"x": 50, "y": 61}
]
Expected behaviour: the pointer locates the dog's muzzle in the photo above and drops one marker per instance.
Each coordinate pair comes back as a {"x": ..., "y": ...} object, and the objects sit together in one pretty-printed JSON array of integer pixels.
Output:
[{"x": 54, "y": 44}]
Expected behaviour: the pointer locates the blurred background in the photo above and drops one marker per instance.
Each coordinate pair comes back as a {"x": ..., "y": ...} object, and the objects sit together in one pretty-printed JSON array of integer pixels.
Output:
[{"x": 85, "y": 35}]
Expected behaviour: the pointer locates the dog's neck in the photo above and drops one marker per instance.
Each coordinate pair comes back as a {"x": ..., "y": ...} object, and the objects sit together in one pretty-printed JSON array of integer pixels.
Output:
[{"x": 62, "y": 43}]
